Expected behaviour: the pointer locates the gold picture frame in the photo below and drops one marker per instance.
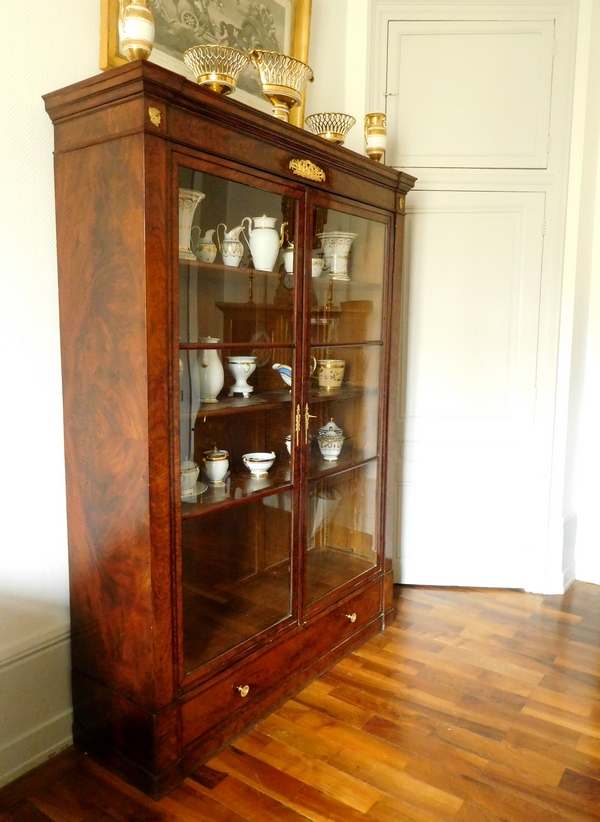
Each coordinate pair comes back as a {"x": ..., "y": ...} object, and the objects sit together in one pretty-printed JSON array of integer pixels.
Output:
[{"x": 296, "y": 27}]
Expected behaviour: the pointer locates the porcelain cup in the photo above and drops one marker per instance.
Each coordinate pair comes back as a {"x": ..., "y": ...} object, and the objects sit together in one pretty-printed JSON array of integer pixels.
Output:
[
  {"x": 330, "y": 373},
  {"x": 317, "y": 266},
  {"x": 189, "y": 475},
  {"x": 259, "y": 462}
]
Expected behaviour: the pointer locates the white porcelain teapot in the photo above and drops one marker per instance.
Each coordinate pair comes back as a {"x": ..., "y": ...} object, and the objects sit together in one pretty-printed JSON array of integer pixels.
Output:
[
  {"x": 264, "y": 241},
  {"x": 231, "y": 246}
]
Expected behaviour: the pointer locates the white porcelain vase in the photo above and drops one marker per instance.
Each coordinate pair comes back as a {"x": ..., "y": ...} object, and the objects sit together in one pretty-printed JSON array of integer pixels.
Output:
[
  {"x": 241, "y": 367},
  {"x": 188, "y": 202},
  {"x": 211, "y": 376},
  {"x": 336, "y": 252},
  {"x": 136, "y": 29},
  {"x": 263, "y": 241}
]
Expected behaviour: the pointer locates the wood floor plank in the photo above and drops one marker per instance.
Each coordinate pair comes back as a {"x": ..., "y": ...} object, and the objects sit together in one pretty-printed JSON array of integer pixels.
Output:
[
  {"x": 328, "y": 780},
  {"x": 23, "y": 811},
  {"x": 569, "y": 703},
  {"x": 240, "y": 801},
  {"x": 188, "y": 804},
  {"x": 589, "y": 745}
]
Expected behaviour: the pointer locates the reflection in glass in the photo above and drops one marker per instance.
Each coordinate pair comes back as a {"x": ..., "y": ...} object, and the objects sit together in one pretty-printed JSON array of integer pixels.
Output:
[
  {"x": 341, "y": 529},
  {"x": 235, "y": 588}
]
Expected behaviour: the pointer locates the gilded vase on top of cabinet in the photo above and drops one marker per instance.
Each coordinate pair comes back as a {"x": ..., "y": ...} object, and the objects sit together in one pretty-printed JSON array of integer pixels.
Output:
[{"x": 194, "y": 614}]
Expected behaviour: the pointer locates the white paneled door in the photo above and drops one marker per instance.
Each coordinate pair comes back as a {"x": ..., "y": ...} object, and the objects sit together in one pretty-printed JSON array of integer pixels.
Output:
[
  {"x": 469, "y": 94},
  {"x": 471, "y": 97},
  {"x": 472, "y": 301}
]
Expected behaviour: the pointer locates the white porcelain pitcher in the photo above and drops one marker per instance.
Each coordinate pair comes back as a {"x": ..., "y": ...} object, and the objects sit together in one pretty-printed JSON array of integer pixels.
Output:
[
  {"x": 211, "y": 375},
  {"x": 204, "y": 248},
  {"x": 231, "y": 245},
  {"x": 263, "y": 241}
]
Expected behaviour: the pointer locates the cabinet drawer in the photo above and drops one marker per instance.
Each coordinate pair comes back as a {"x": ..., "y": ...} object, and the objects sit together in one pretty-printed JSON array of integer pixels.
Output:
[
  {"x": 228, "y": 695},
  {"x": 276, "y": 665},
  {"x": 346, "y": 619}
]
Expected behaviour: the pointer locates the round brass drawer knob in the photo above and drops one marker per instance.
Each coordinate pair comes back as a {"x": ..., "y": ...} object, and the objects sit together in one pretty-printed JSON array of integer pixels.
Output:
[
  {"x": 351, "y": 617},
  {"x": 244, "y": 690}
]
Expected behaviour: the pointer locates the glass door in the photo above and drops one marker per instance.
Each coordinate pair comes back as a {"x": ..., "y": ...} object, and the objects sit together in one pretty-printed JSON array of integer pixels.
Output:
[
  {"x": 346, "y": 345},
  {"x": 237, "y": 353}
]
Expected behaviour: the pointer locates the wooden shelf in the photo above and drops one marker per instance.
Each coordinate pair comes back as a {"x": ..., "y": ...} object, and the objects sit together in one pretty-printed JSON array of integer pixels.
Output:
[
  {"x": 318, "y": 468},
  {"x": 345, "y": 392},
  {"x": 264, "y": 401},
  {"x": 227, "y": 269},
  {"x": 238, "y": 486}
]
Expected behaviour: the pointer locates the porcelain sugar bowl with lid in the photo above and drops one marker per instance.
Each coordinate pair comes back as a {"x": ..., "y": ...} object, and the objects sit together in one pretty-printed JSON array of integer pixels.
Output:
[
  {"x": 330, "y": 438},
  {"x": 216, "y": 465}
]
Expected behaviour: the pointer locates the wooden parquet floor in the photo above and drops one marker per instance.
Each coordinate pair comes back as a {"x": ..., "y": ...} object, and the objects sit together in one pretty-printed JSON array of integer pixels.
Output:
[{"x": 474, "y": 706}]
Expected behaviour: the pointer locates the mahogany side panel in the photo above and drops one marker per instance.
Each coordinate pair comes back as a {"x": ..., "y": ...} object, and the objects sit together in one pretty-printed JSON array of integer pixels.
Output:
[
  {"x": 100, "y": 225},
  {"x": 160, "y": 358}
]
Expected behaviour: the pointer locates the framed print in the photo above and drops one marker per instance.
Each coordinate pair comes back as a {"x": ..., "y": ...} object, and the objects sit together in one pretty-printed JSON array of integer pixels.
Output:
[{"x": 275, "y": 25}]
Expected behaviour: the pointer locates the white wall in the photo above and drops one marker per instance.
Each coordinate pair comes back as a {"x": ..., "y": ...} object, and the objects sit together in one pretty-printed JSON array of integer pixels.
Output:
[
  {"x": 34, "y": 624},
  {"x": 338, "y": 58}
]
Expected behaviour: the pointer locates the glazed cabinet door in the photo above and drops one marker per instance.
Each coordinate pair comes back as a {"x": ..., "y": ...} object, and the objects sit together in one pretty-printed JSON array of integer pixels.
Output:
[
  {"x": 345, "y": 413},
  {"x": 237, "y": 325}
]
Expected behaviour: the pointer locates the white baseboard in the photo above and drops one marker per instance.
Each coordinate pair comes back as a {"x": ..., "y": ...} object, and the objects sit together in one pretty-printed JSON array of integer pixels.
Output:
[
  {"x": 34, "y": 747},
  {"x": 35, "y": 709}
]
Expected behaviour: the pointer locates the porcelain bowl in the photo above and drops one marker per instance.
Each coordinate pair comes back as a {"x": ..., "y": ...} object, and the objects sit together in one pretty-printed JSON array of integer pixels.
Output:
[
  {"x": 216, "y": 67},
  {"x": 259, "y": 462},
  {"x": 330, "y": 125}
]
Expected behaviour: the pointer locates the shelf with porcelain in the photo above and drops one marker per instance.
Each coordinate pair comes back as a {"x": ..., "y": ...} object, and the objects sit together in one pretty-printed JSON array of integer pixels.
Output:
[
  {"x": 349, "y": 458},
  {"x": 245, "y": 268},
  {"x": 242, "y": 268},
  {"x": 265, "y": 401},
  {"x": 239, "y": 485}
]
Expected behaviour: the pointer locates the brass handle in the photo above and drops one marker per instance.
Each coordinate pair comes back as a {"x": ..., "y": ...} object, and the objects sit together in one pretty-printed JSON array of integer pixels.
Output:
[
  {"x": 244, "y": 690},
  {"x": 351, "y": 617},
  {"x": 307, "y": 417},
  {"x": 298, "y": 424}
]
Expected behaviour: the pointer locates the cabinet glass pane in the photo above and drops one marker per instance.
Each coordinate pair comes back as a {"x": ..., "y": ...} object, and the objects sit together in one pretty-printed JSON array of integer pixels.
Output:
[
  {"x": 232, "y": 274},
  {"x": 341, "y": 529},
  {"x": 236, "y": 320},
  {"x": 348, "y": 289},
  {"x": 345, "y": 396},
  {"x": 236, "y": 575}
]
